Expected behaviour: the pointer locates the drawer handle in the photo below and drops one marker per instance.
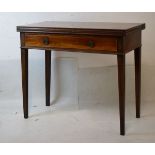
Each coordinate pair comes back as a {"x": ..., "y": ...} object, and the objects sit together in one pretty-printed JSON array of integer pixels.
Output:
[
  {"x": 90, "y": 44},
  {"x": 46, "y": 41}
]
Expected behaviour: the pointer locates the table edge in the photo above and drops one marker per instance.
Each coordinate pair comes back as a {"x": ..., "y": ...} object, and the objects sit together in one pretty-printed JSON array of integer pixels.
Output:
[{"x": 85, "y": 31}]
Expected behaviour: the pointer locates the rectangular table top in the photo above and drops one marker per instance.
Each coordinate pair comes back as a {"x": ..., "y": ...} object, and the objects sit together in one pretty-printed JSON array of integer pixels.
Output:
[{"x": 99, "y": 28}]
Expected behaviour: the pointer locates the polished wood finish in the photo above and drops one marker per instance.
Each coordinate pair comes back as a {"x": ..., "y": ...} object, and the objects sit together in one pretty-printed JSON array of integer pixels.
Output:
[
  {"x": 80, "y": 42},
  {"x": 132, "y": 41},
  {"x": 89, "y": 37},
  {"x": 121, "y": 87},
  {"x": 86, "y": 28},
  {"x": 47, "y": 75},
  {"x": 24, "y": 62},
  {"x": 137, "y": 55}
]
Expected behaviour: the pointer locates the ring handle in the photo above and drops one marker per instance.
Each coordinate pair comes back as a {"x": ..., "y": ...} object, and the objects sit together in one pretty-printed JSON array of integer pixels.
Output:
[{"x": 46, "y": 41}]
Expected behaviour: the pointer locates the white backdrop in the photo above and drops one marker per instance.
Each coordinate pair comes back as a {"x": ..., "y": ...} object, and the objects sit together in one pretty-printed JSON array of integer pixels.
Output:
[{"x": 92, "y": 77}]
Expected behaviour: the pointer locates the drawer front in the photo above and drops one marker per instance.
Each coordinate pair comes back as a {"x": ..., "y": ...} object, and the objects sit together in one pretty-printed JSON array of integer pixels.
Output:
[{"x": 79, "y": 42}]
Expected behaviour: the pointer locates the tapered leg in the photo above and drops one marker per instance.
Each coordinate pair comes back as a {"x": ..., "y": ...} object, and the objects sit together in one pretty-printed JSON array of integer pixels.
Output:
[
  {"x": 24, "y": 62},
  {"x": 137, "y": 53},
  {"x": 121, "y": 86},
  {"x": 47, "y": 75}
]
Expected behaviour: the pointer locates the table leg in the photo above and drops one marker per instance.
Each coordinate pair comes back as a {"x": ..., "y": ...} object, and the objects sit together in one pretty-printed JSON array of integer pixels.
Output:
[
  {"x": 24, "y": 62},
  {"x": 47, "y": 75},
  {"x": 137, "y": 55},
  {"x": 121, "y": 86}
]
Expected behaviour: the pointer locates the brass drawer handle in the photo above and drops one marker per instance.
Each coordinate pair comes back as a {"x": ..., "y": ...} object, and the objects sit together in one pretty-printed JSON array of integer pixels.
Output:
[
  {"x": 90, "y": 44},
  {"x": 46, "y": 41}
]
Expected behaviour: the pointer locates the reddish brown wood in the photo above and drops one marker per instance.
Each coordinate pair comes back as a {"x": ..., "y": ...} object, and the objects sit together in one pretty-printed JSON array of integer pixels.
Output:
[
  {"x": 22, "y": 38},
  {"x": 86, "y": 28},
  {"x": 80, "y": 42},
  {"x": 24, "y": 62},
  {"x": 121, "y": 86},
  {"x": 138, "y": 79},
  {"x": 47, "y": 75},
  {"x": 96, "y": 37},
  {"x": 132, "y": 40}
]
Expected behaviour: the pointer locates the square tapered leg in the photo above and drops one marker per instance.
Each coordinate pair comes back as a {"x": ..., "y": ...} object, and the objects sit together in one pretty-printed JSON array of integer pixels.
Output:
[
  {"x": 137, "y": 53},
  {"x": 121, "y": 87},
  {"x": 24, "y": 62},
  {"x": 47, "y": 75}
]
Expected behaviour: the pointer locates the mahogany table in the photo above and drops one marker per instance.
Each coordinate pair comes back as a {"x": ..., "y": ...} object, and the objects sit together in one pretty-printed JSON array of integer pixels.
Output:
[{"x": 89, "y": 37}]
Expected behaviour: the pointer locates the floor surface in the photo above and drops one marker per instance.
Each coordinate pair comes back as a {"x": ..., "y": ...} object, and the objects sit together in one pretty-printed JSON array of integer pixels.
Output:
[{"x": 59, "y": 123}]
